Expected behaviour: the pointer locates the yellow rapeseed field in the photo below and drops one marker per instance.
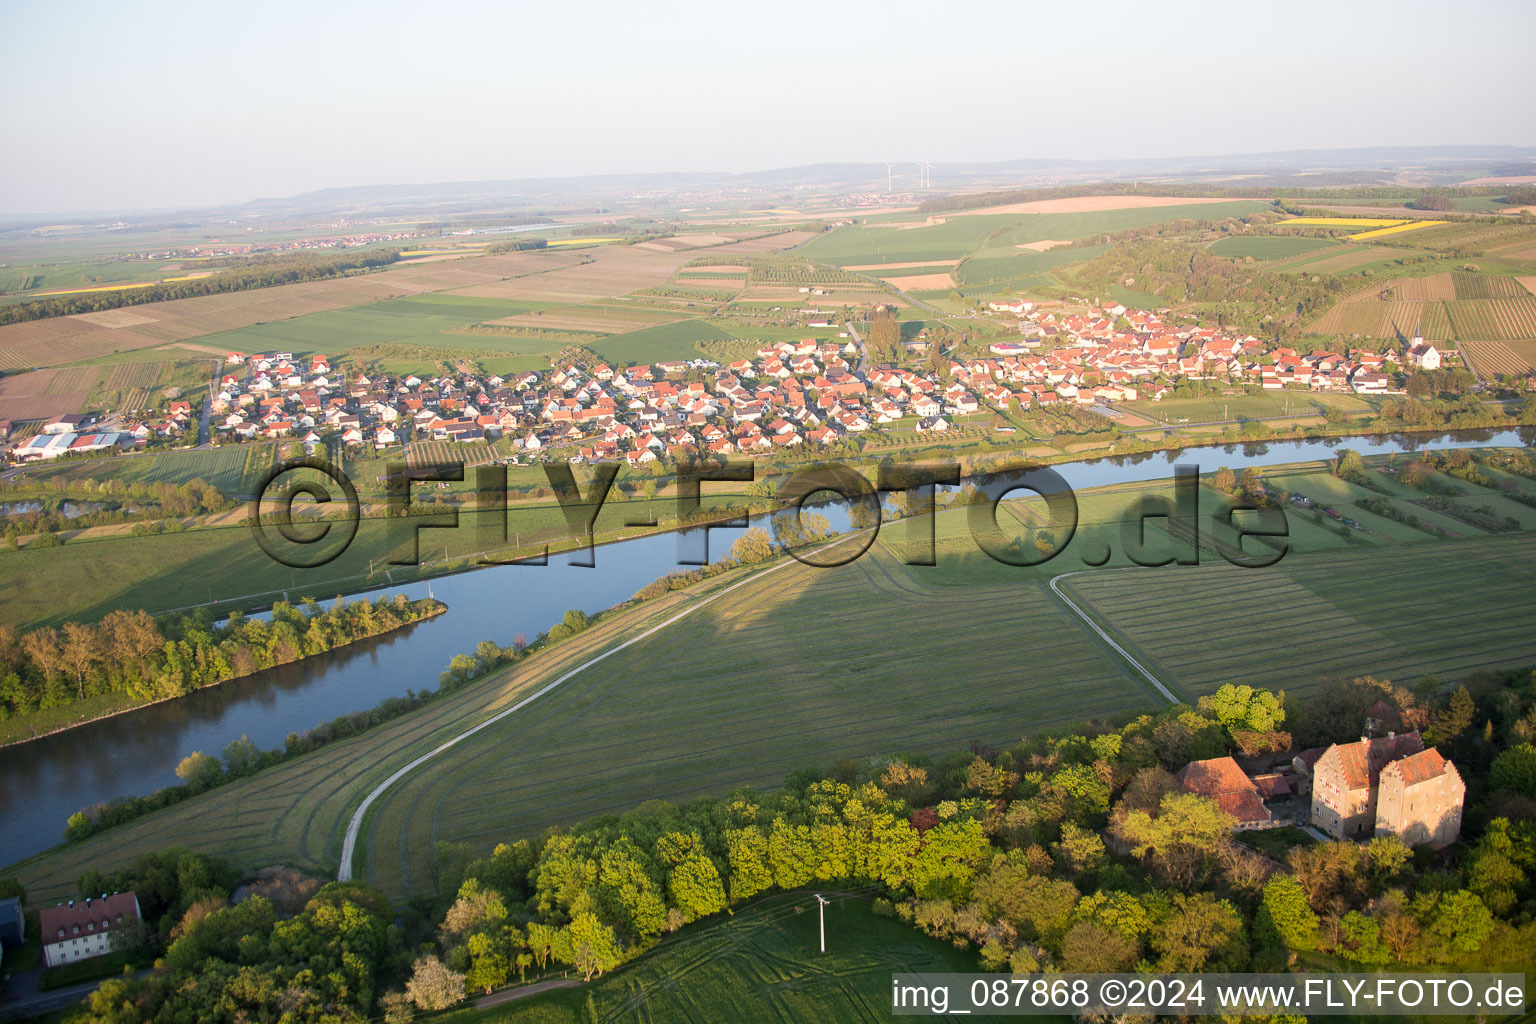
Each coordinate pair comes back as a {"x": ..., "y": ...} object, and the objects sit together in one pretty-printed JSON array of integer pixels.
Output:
[{"x": 1411, "y": 226}]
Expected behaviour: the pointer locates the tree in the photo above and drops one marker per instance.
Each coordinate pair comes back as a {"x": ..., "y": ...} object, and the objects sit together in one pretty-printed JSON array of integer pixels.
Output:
[
  {"x": 1459, "y": 919},
  {"x": 695, "y": 887},
  {"x": 199, "y": 770},
  {"x": 753, "y": 547},
  {"x": 489, "y": 965},
  {"x": 588, "y": 945},
  {"x": 42, "y": 646},
  {"x": 1199, "y": 932},
  {"x": 433, "y": 985},
  {"x": 241, "y": 756},
  {"x": 1089, "y": 949},
  {"x": 79, "y": 651},
  {"x": 1514, "y": 770},
  {"x": 1181, "y": 841},
  {"x": 1285, "y": 903},
  {"x": 1347, "y": 464},
  {"x": 1245, "y": 707},
  {"x": 1224, "y": 480},
  {"x": 1455, "y": 720}
]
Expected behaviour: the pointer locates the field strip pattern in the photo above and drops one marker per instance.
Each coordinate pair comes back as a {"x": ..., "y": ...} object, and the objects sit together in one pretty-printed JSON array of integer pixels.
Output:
[
  {"x": 803, "y": 668},
  {"x": 349, "y": 843}
]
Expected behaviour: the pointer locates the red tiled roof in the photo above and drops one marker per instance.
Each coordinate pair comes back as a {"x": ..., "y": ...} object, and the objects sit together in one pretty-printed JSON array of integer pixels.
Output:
[
  {"x": 1362, "y": 761},
  {"x": 87, "y": 917},
  {"x": 1271, "y": 786},
  {"x": 1420, "y": 767},
  {"x": 1222, "y": 780}
]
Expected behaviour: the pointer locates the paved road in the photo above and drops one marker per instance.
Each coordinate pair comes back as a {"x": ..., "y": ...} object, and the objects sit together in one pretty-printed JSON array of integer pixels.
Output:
[
  {"x": 23, "y": 1000},
  {"x": 1072, "y": 606},
  {"x": 863, "y": 363},
  {"x": 354, "y": 827}
]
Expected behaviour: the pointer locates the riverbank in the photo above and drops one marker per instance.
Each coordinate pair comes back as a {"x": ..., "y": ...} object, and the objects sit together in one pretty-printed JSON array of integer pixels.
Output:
[{"x": 111, "y": 705}]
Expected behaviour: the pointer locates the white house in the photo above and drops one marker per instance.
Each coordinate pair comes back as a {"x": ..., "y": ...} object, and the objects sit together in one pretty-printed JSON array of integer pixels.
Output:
[{"x": 82, "y": 929}]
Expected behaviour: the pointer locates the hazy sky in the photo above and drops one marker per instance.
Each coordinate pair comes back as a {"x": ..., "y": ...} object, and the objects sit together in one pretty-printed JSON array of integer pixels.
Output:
[{"x": 123, "y": 105}]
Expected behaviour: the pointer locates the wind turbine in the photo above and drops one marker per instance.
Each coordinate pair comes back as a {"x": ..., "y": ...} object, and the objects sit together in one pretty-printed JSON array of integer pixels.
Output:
[
  {"x": 888, "y": 166},
  {"x": 925, "y": 174}
]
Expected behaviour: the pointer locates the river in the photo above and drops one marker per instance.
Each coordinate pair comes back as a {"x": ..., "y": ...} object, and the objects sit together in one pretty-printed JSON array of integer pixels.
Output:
[{"x": 44, "y": 781}]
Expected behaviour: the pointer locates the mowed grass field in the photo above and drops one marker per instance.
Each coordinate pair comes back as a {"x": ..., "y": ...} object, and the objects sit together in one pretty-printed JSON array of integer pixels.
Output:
[
  {"x": 1395, "y": 612},
  {"x": 761, "y": 962},
  {"x": 88, "y": 577}
]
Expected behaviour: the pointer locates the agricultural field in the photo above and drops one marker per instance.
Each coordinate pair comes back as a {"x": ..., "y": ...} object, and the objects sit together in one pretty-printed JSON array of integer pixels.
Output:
[
  {"x": 871, "y": 643},
  {"x": 955, "y": 237},
  {"x": 1268, "y": 247},
  {"x": 1246, "y": 406},
  {"x": 1449, "y": 306},
  {"x": 761, "y": 958},
  {"x": 33, "y": 396},
  {"x": 996, "y": 264},
  {"x": 1474, "y": 237},
  {"x": 677, "y": 340},
  {"x": 1509, "y": 319},
  {"x": 1327, "y": 618},
  {"x": 438, "y": 453},
  {"x": 1491, "y": 358},
  {"x": 233, "y": 469},
  {"x": 1395, "y": 230},
  {"x": 597, "y": 319}
]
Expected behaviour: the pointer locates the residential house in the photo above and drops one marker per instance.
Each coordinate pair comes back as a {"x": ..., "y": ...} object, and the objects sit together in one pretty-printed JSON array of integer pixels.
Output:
[{"x": 85, "y": 928}]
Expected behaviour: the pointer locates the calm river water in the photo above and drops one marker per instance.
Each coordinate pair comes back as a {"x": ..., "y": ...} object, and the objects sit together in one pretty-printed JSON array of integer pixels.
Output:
[{"x": 44, "y": 781}]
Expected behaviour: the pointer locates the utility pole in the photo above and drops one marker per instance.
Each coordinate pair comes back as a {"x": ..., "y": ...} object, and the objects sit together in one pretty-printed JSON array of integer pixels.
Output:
[{"x": 821, "y": 912}]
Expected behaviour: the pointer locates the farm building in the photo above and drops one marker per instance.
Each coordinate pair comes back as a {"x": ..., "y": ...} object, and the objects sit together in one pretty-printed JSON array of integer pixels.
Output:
[
  {"x": 1220, "y": 779},
  {"x": 51, "y": 446},
  {"x": 81, "y": 929}
]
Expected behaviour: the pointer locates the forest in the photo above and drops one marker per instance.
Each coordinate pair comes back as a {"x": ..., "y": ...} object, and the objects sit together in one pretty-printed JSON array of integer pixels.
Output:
[{"x": 148, "y": 658}]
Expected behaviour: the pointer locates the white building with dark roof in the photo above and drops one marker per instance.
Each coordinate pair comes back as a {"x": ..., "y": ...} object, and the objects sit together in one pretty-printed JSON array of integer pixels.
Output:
[{"x": 81, "y": 929}]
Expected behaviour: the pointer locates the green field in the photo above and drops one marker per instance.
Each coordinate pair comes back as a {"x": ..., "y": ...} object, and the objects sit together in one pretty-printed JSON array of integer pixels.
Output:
[
  {"x": 88, "y": 577},
  {"x": 999, "y": 265},
  {"x": 962, "y": 235},
  {"x": 224, "y": 468},
  {"x": 1321, "y": 618},
  {"x": 1246, "y": 406},
  {"x": 663, "y": 342},
  {"x": 420, "y": 319},
  {"x": 1269, "y": 247},
  {"x": 762, "y": 962}
]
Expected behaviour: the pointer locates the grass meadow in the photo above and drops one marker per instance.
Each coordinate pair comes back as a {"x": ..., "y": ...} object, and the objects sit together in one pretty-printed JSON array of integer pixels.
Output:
[{"x": 761, "y": 962}]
